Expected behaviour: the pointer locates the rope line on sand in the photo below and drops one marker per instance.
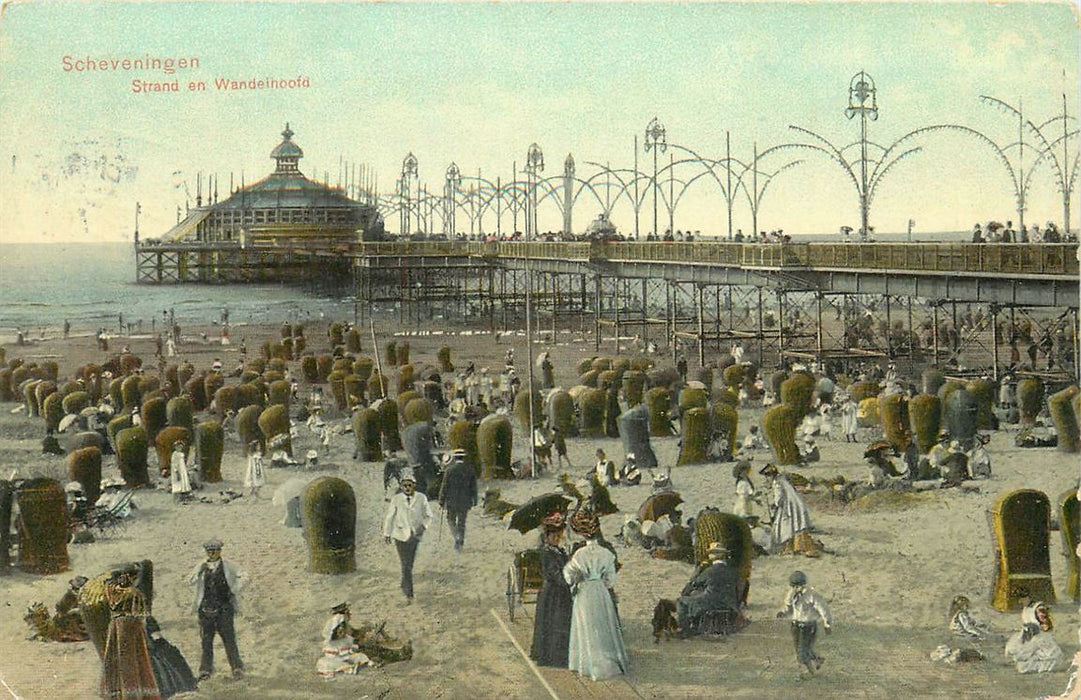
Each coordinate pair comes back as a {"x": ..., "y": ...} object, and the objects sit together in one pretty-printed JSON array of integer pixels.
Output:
[
  {"x": 9, "y": 689},
  {"x": 532, "y": 666}
]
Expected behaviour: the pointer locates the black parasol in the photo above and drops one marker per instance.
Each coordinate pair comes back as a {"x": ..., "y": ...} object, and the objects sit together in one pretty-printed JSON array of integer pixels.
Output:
[
  {"x": 529, "y": 515},
  {"x": 659, "y": 505}
]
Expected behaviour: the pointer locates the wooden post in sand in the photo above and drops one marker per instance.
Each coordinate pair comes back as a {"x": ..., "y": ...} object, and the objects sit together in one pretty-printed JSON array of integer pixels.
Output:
[
  {"x": 617, "y": 299},
  {"x": 994, "y": 342},
  {"x": 701, "y": 326},
  {"x": 934, "y": 332},
  {"x": 597, "y": 312},
  {"x": 378, "y": 361}
]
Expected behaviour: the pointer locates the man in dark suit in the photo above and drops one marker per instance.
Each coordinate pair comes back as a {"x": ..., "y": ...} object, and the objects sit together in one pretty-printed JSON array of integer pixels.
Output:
[
  {"x": 715, "y": 588},
  {"x": 458, "y": 494}
]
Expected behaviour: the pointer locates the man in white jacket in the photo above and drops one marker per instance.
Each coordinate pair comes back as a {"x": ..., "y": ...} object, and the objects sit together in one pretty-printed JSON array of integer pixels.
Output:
[{"x": 408, "y": 516}]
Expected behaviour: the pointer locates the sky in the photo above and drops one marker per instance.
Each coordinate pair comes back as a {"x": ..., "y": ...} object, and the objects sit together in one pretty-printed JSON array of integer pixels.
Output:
[{"x": 476, "y": 84}]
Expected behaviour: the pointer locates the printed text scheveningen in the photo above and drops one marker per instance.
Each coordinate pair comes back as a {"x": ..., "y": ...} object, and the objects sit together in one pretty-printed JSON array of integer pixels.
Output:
[{"x": 166, "y": 64}]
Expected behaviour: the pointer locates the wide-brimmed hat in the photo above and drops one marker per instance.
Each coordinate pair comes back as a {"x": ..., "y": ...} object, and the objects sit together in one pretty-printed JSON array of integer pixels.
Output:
[
  {"x": 585, "y": 523},
  {"x": 213, "y": 544},
  {"x": 743, "y": 465},
  {"x": 769, "y": 469},
  {"x": 340, "y": 608}
]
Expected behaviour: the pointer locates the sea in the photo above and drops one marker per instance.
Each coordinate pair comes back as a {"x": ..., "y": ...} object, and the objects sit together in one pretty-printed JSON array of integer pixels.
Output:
[{"x": 93, "y": 284}]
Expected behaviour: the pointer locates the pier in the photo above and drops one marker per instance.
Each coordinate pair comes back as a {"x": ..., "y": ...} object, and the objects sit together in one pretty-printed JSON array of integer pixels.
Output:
[{"x": 784, "y": 301}]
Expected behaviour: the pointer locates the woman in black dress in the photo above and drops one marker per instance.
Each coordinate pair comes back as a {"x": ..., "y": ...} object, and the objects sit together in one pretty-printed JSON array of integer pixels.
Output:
[
  {"x": 171, "y": 669},
  {"x": 552, "y": 626}
]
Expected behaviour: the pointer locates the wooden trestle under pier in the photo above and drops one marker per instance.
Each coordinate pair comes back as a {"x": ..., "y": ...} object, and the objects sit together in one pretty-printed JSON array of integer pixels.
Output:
[{"x": 944, "y": 302}]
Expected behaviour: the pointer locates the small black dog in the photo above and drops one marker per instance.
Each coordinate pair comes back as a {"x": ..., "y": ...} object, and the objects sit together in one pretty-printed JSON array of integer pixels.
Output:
[{"x": 665, "y": 623}]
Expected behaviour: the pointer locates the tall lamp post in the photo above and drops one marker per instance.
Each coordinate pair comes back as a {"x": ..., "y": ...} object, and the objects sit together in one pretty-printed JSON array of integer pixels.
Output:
[
  {"x": 863, "y": 102},
  {"x": 655, "y": 141},
  {"x": 409, "y": 170},
  {"x": 454, "y": 180},
  {"x": 534, "y": 164}
]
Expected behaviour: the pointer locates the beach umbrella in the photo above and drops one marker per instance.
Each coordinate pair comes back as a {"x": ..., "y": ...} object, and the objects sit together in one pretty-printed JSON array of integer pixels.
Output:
[
  {"x": 288, "y": 496},
  {"x": 530, "y": 514},
  {"x": 289, "y": 490},
  {"x": 659, "y": 505}
]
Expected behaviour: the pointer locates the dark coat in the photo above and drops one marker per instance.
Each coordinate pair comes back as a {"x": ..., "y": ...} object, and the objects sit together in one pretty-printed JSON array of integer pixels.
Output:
[
  {"x": 715, "y": 587},
  {"x": 459, "y": 491},
  {"x": 552, "y": 626}
]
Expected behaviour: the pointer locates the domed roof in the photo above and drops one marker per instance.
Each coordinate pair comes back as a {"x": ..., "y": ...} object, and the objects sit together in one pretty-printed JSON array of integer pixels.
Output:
[{"x": 287, "y": 149}]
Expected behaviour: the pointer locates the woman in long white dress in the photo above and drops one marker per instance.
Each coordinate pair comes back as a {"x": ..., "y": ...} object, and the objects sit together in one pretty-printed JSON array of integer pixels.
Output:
[
  {"x": 596, "y": 644},
  {"x": 1033, "y": 649},
  {"x": 850, "y": 420},
  {"x": 745, "y": 492},
  {"x": 179, "y": 481},
  {"x": 255, "y": 475}
]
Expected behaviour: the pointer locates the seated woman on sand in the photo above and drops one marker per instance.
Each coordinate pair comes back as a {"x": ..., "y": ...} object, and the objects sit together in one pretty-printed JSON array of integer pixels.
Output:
[
  {"x": 1033, "y": 649},
  {"x": 341, "y": 654}
]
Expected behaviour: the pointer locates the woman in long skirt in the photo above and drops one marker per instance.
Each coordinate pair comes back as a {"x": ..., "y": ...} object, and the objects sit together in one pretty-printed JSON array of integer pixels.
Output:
[
  {"x": 128, "y": 674},
  {"x": 596, "y": 642},
  {"x": 179, "y": 481},
  {"x": 171, "y": 669},
  {"x": 255, "y": 476},
  {"x": 552, "y": 624}
]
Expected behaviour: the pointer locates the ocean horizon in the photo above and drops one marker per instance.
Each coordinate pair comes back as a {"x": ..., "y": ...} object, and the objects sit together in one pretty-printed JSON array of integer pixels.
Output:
[{"x": 93, "y": 284}]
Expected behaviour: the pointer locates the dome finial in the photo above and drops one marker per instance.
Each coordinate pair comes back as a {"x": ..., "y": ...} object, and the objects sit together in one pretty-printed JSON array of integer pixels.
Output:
[{"x": 288, "y": 133}]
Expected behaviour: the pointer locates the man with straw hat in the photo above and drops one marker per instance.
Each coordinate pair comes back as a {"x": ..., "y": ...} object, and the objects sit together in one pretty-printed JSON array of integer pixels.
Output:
[
  {"x": 408, "y": 516},
  {"x": 715, "y": 588}
]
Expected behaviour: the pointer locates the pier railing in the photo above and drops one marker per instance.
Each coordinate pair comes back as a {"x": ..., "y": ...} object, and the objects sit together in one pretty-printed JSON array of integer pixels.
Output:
[
  {"x": 989, "y": 258},
  {"x": 1041, "y": 259}
]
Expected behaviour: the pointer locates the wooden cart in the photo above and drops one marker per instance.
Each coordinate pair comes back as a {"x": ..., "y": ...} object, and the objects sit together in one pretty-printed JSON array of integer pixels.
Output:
[{"x": 524, "y": 580}]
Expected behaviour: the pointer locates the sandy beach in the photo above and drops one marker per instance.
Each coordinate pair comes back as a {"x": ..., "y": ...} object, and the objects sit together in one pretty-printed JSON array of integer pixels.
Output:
[{"x": 889, "y": 574}]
